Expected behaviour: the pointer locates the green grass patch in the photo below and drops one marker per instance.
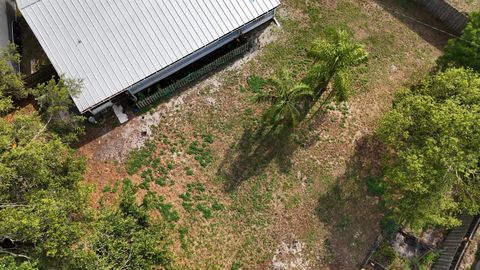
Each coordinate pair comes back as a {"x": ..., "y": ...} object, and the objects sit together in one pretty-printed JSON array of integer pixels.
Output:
[
  {"x": 201, "y": 150},
  {"x": 139, "y": 158},
  {"x": 183, "y": 232}
]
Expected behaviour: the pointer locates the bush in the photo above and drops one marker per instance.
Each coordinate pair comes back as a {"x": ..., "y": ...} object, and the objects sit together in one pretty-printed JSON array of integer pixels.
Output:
[{"x": 464, "y": 51}]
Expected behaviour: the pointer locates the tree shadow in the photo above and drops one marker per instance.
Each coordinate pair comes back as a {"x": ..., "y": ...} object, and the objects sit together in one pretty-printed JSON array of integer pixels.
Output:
[
  {"x": 256, "y": 149},
  {"x": 419, "y": 20},
  {"x": 347, "y": 208}
]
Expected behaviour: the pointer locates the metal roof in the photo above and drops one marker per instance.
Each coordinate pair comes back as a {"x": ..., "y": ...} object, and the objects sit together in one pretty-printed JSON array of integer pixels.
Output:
[{"x": 113, "y": 44}]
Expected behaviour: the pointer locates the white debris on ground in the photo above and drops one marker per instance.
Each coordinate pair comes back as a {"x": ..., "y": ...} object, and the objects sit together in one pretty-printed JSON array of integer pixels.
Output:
[
  {"x": 117, "y": 144},
  {"x": 402, "y": 247},
  {"x": 290, "y": 257}
]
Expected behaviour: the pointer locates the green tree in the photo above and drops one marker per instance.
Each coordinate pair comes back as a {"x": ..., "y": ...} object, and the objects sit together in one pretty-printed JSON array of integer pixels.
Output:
[
  {"x": 465, "y": 50},
  {"x": 333, "y": 62},
  {"x": 287, "y": 100},
  {"x": 11, "y": 84},
  {"x": 432, "y": 133},
  {"x": 126, "y": 237},
  {"x": 45, "y": 216},
  {"x": 56, "y": 108},
  {"x": 9, "y": 263},
  {"x": 41, "y": 199}
]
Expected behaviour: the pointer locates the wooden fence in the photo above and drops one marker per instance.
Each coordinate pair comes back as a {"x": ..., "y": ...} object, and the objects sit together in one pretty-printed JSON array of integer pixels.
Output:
[
  {"x": 217, "y": 63},
  {"x": 451, "y": 17},
  {"x": 456, "y": 243}
]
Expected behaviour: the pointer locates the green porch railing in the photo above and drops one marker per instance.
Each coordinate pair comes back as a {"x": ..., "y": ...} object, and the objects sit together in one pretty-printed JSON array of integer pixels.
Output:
[{"x": 172, "y": 88}]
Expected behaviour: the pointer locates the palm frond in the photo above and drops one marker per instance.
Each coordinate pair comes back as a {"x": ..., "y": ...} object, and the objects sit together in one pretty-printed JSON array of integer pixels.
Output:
[
  {"x": 341, "y": 86},
  {"x": 321, "y": 50}
]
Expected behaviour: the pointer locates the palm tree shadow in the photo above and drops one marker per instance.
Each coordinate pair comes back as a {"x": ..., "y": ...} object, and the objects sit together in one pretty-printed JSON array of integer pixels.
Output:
[{"x": 255, "y": 150}]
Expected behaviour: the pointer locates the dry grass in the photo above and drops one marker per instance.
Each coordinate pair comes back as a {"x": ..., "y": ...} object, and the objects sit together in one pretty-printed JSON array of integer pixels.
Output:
[
  {"x": 311, "y": 192},
  {"x": 466, "y": 5}
]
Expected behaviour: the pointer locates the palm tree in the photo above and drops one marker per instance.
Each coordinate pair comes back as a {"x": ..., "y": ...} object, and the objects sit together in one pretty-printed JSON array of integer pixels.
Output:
[
  {"x": 333, "y": 61},
  {"x": 287, "y": 99}
]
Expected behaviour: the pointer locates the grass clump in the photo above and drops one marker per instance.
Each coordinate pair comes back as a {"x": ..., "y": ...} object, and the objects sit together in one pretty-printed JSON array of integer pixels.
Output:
[
  {"x": 206, "y": 211},
  {"x": 255, "y": 84},
  {"x": 201, "y": 151},
  {"x": 139, "y": 158},
  {"x": 183, "y": 232},
  {"x": 195, "y": 199},
  {"x": 188, "y": 171}
]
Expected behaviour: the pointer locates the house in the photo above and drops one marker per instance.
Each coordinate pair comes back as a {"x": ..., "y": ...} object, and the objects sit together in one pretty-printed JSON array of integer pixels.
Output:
[{"x": 126, "y": 46}]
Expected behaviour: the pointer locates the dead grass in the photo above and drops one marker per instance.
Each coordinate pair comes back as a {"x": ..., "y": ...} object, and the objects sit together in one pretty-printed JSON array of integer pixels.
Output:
[
  {"x": 318, "y": 195},
  {"x": 466, "y": 5}
]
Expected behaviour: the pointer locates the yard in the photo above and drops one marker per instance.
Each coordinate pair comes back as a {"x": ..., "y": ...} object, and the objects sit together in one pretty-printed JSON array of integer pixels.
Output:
[{"x": 298, "y": 206}]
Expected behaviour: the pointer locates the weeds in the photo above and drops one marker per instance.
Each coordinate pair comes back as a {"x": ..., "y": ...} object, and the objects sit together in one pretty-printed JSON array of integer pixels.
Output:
[
  {"x": 139, "y": 158},
  {"x": 183, "y": 232},
  {"x": 202, "y": 152},
  {"x": 188, "y": 171},
  {"x": 196, "y": 199},
  {"x": 255, "y": 84}
]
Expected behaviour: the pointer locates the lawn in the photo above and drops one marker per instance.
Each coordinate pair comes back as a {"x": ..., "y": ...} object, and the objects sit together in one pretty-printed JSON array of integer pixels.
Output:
[{"x": 233, "y": 203}]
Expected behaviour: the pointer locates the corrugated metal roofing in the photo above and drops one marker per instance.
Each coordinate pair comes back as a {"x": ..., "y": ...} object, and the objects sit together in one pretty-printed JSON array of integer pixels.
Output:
[{"x": 113, "y": 44}]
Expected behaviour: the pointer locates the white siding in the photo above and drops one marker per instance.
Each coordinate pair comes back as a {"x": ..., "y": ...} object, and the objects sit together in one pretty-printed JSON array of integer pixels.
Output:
[{"x": 113, "y": 44}]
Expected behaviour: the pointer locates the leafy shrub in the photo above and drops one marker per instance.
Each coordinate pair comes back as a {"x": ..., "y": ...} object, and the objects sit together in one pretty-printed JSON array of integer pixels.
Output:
[
  {"x": 385, "y": 254},
  {"x": 161, "y": 181},
  {"x": 189, "y": 171},
  {"x": 183, "y": 231},
  {"x": 464, "y": 51},
  {"x": 389, "y": 227},
  {"x": 236, "y": 266},
  {"x": 427, "y": 261},
  {"x": 216, "y": 206}
]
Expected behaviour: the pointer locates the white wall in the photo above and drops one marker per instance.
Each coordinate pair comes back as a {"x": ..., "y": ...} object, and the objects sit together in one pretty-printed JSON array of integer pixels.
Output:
[{"x": 4, "y": 25}]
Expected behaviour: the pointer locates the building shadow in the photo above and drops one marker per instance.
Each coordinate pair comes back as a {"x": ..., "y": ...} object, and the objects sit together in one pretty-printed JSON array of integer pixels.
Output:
[
  {"x": 419, "y": 20},
  {"x": 350, "y": 213}
]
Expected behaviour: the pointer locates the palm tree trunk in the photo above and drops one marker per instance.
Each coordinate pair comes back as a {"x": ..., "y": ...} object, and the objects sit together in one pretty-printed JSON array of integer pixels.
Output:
[{"x": 321, "y": 108}]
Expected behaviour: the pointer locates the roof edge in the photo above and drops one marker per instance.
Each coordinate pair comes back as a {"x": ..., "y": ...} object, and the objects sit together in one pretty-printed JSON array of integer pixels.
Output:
[{"x": 23, "y": 4}]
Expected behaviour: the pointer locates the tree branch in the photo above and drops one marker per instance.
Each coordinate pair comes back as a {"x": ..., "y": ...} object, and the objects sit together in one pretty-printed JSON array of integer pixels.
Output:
[
  {"x": 125, "y": 265},
  {"x": 13, "y": 205},
  {"x": 43, "y": 128},
  {"x": 15, "y": 255}
]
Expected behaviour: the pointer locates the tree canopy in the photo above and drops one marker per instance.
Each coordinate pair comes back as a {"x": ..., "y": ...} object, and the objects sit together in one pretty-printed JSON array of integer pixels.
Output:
[
  {"x": 11, "y": 84},
  {"x": 39, "y": 190},
  {"x": 56, "y": 105},
  {"x": 465, "y": 50},
  {"x": 333, "y": 61},
  {"x": 327, "y": 80},
  {"x": 287, "y": 98},
  {"x": 431, "y": 171},
  {"x": 45, "y": 220}
]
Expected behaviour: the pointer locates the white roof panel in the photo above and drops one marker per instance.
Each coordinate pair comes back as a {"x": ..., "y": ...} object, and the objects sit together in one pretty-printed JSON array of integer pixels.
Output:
[{"x": 113, "y": 44}]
